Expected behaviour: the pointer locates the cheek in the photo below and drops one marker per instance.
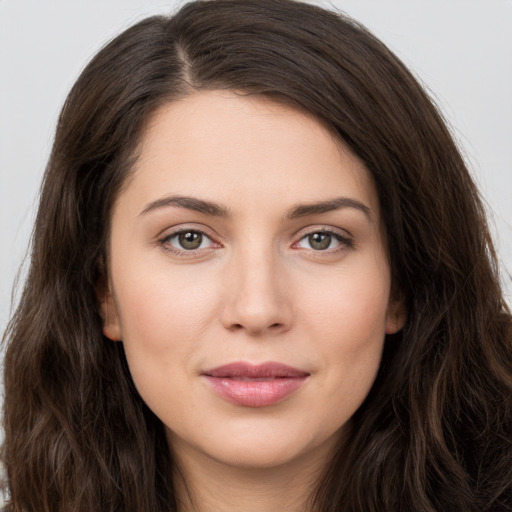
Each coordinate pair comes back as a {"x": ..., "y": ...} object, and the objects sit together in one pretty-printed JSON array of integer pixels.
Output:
[
  {"x": 349, "y": 320},
  {"x": 350, "y": 304},
  {"x": 157, "y": 305},
  {"x": 162, "y": 323}
]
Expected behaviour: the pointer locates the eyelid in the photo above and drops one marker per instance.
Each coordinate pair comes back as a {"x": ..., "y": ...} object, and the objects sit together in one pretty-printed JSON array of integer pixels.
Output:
[
  {"x": 344, "y": 237},
  {"x": 322, "y": 228},
  {"x": 162, "y": 239}
]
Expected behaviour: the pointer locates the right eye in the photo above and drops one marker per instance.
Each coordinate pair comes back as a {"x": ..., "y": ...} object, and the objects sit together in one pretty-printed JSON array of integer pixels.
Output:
[{"x": 187, "y": 240}]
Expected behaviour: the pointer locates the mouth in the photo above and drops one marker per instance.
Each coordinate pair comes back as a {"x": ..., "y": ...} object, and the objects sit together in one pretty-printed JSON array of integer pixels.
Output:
[{"x": 260, "y": 385}]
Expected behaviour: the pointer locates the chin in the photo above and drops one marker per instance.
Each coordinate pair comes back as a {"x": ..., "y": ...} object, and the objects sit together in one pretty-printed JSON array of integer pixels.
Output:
[{"x": 261, "y": 447}]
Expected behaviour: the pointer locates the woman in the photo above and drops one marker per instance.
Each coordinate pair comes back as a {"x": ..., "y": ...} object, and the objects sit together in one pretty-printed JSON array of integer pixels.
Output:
[{"x": 261, "y": 279}]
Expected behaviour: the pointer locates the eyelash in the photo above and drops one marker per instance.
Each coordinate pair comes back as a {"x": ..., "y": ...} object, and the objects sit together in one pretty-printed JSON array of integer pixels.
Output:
[
  {"x": 345, "y": 242},
  {"x": 165, "y": 242}
]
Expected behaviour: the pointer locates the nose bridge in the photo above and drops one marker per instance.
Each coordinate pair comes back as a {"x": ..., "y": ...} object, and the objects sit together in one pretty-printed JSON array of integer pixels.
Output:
[{"x": 256, "y": 298}]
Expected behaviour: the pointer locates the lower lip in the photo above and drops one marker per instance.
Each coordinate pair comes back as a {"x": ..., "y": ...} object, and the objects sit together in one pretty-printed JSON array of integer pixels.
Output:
[{"x": 255, "y": 393}]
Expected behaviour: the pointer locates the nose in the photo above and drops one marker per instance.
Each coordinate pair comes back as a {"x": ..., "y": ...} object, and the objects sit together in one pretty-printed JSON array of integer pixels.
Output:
[{"x": 257, "y": 295}]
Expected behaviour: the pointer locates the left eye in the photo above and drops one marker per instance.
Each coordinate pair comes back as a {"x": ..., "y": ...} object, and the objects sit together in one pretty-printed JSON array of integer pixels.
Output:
[
  {"x": 189, "y": 240},
  {"x": 321, "y": 241}
]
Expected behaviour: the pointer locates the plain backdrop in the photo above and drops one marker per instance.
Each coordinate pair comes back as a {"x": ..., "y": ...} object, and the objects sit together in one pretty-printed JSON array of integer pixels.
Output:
[{"x": 460, "y": 49}]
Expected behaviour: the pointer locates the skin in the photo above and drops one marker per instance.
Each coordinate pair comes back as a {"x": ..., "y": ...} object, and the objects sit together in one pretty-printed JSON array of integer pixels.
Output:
[{"x": 258, "y": 288}]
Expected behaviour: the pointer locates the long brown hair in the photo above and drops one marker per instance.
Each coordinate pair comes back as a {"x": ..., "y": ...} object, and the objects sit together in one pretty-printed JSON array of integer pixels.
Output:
[{"x": 435, "y": 432}]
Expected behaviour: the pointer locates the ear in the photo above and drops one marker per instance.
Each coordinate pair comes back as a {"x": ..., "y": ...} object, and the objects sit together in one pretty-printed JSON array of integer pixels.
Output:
[
  {"x": 108, "y": 312},
  {"x": 396, "y": 316}
]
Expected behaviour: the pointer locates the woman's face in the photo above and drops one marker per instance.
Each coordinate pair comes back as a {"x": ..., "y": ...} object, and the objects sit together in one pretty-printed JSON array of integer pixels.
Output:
[{"x": 249, "y": 280}]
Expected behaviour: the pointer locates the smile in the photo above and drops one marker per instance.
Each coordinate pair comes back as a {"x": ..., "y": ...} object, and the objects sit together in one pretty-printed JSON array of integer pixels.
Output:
[{"x": 249, "y": 385}]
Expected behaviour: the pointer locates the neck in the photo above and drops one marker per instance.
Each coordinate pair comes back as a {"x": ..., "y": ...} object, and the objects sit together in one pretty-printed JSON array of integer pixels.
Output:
[{"x": 203, "y": 484}]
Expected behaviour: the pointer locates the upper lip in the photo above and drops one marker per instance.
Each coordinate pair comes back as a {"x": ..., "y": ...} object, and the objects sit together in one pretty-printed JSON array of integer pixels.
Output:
[{"x": 271, "y": 370}]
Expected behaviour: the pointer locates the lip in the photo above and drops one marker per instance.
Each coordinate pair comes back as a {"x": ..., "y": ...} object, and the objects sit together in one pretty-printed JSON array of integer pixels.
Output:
[{"x": 251, "y": 385}]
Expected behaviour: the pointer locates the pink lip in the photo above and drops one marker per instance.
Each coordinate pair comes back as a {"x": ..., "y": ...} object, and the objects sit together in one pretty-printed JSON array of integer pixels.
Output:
[{"x": 254, "y": 385}]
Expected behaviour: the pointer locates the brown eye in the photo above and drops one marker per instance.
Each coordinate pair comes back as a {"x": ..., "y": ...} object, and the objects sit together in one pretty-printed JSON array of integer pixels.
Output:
[
  {"x": 319, "y": 241},
  {"x": 324, "y": 240},
  {"x": 190, "y": 240}
]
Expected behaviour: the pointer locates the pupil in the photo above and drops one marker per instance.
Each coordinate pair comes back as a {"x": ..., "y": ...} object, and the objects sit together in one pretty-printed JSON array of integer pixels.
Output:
[
  {"x": 320, "y": 241},
  {"x": 190, "y": 240}
]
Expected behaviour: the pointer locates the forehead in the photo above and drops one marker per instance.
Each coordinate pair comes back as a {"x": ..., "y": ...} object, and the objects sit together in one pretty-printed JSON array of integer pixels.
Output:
[{"x": 238, "y": 148}]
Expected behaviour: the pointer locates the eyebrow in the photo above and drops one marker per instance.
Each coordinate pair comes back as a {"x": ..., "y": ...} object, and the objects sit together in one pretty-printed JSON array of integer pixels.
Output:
[
  {"x": 190, "y": 203},
  {"x": 218, "y": 210},
  {"x": 337, "y": 203}
]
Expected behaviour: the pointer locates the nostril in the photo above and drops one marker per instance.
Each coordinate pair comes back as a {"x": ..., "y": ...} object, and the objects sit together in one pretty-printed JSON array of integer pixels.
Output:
[{"x": 272, "y": 327}]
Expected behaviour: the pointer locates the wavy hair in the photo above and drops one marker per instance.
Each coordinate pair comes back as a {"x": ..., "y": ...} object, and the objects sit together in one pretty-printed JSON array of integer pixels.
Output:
[{"x": 435, "y": 432}]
